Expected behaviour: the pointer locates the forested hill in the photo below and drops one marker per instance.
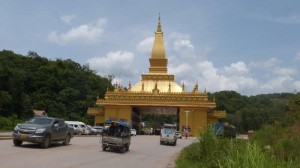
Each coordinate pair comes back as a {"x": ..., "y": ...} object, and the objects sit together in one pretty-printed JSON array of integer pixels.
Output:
[
  {"x": 63, "y": 88},
  {"x": 250, "y": 113}
]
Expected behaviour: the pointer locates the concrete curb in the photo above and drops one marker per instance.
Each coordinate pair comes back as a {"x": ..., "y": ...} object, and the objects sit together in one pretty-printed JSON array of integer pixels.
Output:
[{"x": 5, "y": 137}]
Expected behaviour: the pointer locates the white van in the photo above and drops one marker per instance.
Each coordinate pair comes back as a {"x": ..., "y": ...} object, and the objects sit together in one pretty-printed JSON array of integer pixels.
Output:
[
  {"x": 168, "y": 134},
  {"x": 79, "y": 127}
]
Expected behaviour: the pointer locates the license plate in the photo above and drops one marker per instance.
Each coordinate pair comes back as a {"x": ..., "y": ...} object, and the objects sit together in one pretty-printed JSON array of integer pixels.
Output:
[{"x": 23, "y": 136}]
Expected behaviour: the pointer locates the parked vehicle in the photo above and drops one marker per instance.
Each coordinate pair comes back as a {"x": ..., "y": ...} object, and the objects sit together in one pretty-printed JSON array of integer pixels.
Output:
[
  {"x": 79, "y": 127},
  {"x": 92, "y": 130},
  {"x": 99, "y": 129},
  {"x": 132, "y": 132},
  {"x": 116, "y": 135},
  {"x": 44, "y": 131},
  {"x": 168, "y": 134},
  {"x": 178, "y": 134}
]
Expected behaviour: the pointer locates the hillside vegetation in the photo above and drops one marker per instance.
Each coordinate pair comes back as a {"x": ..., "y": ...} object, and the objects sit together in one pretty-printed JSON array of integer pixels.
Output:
[{"x": 63, "y": 88}]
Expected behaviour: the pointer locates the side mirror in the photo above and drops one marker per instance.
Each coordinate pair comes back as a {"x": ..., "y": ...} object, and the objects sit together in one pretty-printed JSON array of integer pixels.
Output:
[{"x": 56, "y": 125}]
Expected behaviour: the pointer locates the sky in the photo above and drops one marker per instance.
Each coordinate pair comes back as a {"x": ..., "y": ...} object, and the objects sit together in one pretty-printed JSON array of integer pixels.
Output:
[{"x": 251, "y": 47}]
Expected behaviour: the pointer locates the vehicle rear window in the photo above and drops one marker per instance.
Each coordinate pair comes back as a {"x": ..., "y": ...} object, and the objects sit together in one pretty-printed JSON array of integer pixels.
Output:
[
  {"x": 168, "y": 131},
  {"x": 40, "y": 121}
]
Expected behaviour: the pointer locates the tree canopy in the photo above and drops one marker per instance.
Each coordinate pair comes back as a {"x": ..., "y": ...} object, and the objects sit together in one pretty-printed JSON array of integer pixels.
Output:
[
  {"x": 63, "y": 88},
  {"x": 250, "y": 113}
]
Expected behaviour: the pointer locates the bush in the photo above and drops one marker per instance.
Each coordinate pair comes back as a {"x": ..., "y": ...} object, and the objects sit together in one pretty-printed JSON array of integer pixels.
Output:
[
  {"x": 210, "y": 151},
  {"x": 7, "y": 124}
]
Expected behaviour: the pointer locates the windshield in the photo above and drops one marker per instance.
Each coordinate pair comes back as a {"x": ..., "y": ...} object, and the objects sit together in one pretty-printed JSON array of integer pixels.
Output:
[
  {"x": 40, "y": 121},
  {"x": 168, "y": 131}
]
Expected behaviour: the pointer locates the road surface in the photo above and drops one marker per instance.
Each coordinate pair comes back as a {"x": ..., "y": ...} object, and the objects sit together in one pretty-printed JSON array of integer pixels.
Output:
[{"x": 145, "y": 152}]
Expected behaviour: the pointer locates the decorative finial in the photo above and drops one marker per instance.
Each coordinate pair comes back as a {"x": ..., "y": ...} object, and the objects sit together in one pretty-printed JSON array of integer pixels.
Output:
[
  {"x": 183, "y": 89},
  {"x": 159, "y": 25},
  {"x": 143, "y": 86},
  {"x": 129, "y": 85},
  {"x": 195, "y": 90},
  {"x": 169, "y": 86}
]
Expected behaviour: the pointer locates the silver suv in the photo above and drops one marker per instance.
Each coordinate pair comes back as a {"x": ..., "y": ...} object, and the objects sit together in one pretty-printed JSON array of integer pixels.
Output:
[{"x": 168, "y": 136}]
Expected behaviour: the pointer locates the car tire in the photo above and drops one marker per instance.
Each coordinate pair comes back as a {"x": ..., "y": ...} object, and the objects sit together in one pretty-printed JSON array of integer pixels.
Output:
[
  {"x": 104, "y": 147},
  {"x": 67, "y": 140},
  {"x": 17, "y": 142},
  {"x": 127, "y": 147},
  {"x": 46, "y": 142},
  {"x": 122, "y": 149},
  {"x": 174, "y": 144}
]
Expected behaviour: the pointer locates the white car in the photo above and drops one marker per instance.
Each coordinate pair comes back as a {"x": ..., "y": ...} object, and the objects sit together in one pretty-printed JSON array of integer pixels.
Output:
[
  {"x": 99, "y": 129},
  {"x": 132, "y": 132}
]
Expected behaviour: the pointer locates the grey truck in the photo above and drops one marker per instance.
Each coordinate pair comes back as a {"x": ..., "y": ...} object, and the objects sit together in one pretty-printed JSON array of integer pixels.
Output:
[{"x": 44, "y": 131}]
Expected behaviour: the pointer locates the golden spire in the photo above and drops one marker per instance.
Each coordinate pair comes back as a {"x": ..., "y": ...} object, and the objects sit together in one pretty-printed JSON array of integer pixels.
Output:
[
  {"x": 158, "y": 61},
  {"x": 159, "y": 25}
]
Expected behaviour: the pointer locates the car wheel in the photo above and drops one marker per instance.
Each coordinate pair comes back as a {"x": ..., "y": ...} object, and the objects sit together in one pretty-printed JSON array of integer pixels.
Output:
[
  {"x": 67, "y": 140},
  {"x": 46, "y": 142},
  {"x": 122, "y": 149},
  {"x": 17, "y": 142},
  {"x": 127, "y": 147},
  {"x": 104, "y": 147},
  {"x": 174, "y": 144}
]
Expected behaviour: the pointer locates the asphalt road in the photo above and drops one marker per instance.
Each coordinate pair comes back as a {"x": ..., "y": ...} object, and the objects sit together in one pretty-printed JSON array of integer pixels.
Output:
[{"x": 145, "y": 152}]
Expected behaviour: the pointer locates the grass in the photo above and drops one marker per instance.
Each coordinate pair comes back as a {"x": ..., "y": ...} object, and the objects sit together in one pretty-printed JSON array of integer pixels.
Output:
[{"x": 213, "y": 152}]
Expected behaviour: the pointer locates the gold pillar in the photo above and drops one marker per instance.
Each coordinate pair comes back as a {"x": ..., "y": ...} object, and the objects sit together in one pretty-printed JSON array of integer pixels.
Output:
[{"x": 196, "y": 119}]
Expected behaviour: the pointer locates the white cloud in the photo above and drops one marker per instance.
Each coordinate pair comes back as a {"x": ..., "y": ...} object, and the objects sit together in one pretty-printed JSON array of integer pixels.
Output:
[
  {"x": 277, "y": 84},
  {"x": 86, "y": 33},
  {"x": 239, "y": 67},
  {"x": 180, "y": 45},
  {"x": 265, "y": 64},
  {"x": 297, "y": 86},
  {"x": 180, "y": 69},
  {"x": 114, "y": 63},
  {"x": 284, "y": 71},
  {"x": 213, "y": 79},
  {"x": 145, "y": 46},
  {"x": 67, "y": 18}
]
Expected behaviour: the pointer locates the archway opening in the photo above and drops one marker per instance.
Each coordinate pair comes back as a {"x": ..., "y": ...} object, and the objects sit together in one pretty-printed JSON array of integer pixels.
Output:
[{"x": 148, "y": 120}]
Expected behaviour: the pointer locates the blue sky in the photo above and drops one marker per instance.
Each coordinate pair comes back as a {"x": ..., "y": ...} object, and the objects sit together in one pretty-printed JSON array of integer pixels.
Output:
[{"x": 252, "y": 47}]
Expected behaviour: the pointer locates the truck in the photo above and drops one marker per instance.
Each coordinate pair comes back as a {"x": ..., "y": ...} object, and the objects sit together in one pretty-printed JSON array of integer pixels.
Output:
[
  {"x": 116, "y": 135},
  {"x": 43, "y": 131}
]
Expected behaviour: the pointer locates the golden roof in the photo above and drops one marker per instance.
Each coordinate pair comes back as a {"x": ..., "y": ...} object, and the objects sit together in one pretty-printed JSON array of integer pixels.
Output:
[{"x": 160, "y": 86}]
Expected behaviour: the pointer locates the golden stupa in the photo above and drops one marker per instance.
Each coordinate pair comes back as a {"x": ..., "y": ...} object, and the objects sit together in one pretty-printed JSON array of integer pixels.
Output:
[{"x": 157, "y": 89}]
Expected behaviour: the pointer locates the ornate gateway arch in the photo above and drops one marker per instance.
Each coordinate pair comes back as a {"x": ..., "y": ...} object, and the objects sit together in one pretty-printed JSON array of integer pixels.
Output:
[{"x": 158, "y": 89}]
